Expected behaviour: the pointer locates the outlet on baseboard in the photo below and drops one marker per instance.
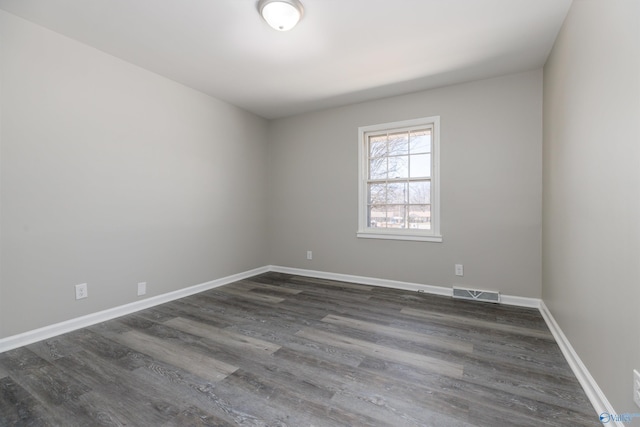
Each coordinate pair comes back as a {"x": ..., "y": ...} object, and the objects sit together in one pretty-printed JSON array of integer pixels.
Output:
[
  {"x": 82, "y": 291},
  {"x": 459, "y": 270},
  {"x": 142, "y": 288},
  {"x": 636, "y": 387},
  {"x": 309, "y": 255}
]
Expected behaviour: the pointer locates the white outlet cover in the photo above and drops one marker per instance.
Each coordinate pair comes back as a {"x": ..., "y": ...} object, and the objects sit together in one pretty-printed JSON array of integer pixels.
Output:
[
  {"x": 82, "y": 291},
  {"x": 142, "y": 288}
]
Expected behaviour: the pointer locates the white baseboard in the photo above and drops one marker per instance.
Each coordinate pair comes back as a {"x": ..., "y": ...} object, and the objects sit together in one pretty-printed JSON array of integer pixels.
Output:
[
  {"x": 50, "y": 331},
  {"x": 372, "y": 281},
  {"x": 520, "y": 301},
  {"x": 408, "y": 286},
  {"x": 588, "y": 383}
]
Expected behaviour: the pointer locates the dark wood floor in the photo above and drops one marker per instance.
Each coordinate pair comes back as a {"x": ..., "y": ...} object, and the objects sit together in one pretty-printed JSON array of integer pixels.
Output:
[{"x": 281, "y": 350}]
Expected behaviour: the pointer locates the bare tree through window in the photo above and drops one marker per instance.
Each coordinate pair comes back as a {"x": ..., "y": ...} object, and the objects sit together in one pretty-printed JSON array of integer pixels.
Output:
[{"x": 399, "y": 179}]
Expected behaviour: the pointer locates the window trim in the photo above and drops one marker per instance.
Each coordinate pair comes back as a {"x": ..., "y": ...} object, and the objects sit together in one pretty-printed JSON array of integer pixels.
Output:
[{"x": 432, "y": 235}]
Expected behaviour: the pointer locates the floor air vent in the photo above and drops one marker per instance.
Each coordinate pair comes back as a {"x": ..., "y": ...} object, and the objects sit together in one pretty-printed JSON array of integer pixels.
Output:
[{"x": 475, "y": 295}]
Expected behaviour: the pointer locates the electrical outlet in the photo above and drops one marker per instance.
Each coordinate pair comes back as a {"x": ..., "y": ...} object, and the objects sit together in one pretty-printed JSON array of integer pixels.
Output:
[
  {"x": 636, "y": 387},
  {"x": 142, "y": 288},
  {"x": 309, "y": 255},
  {"x": 459, "y": 270},
  {"x": 82, "y": 291}
]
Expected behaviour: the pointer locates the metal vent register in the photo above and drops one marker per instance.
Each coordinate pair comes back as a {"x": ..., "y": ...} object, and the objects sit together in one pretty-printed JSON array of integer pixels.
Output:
[{"x": 476, "y": 295}]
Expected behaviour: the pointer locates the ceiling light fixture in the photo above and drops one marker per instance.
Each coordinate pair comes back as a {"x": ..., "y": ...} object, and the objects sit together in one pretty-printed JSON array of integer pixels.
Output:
[{"x": 282, "y": 15}]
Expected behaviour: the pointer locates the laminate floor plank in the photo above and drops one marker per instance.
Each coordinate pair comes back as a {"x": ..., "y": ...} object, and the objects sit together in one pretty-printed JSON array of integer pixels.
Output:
[
  {"x": 399, "y": 334},
  {"x": 328, "y": 283},
  {"x": 198, "y": 313},
  {"x": 42, "y": 378},
  {"x": 156, "y": 314},
  {"x": 321, "y": 305},
  {"x": 18, "y": 406},
  {"x": 497, "y": 340},
  {"x": 539, "y": 390},
  {"x": 366, "y": 347},
  {"x": 21, "y": 359},
  {"x": 286, "y": 350},
  {"x": 199, "y": 387},
  {"x": 196, "y": 417},
  {"x": 232, "y": 346},
  {"x": 302, "y": 344},
  {"x": 170, "y": 352},
  {"x": 352, "y": 296},
  {"x": 54, "y": 348},
  {"x": 313, "y": 384},
  {"x": 280, "y": 328},
  {"x": 48, "y": 388},
  {"x": 253, "y": 309},
  {"x": 279, "y": 398},
  {"x": 515, "y": 407},
  {"x": 250, "y": 295},
  {"x": 388, "y": 410},
  {"x": 115, "y": 397},
  {"x": 346, "y": 379},
  {"x": 476, "y": 324},
  {"x": 285, "y": 314},
  {"x": 223, "y": 336},
  {"x": 120, "y": 355},
  {"x": 251, "y": 285},
  {"x": 227, "y": 404},
  {"x": 423, "y": 302}
]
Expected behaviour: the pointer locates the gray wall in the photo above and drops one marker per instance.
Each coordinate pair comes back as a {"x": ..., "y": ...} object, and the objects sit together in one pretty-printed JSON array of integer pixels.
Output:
[
  {"x": 591, "y": 217},
  {"x": 112, "y": 175},
  {"x": 491, "y": 174}
]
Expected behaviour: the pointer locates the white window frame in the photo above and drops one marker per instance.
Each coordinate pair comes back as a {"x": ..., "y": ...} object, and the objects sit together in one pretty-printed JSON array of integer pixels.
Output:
[{"x": 366, "y": 232}]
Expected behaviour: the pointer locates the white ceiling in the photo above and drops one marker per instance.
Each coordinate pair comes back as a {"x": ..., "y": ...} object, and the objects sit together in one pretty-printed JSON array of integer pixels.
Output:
[{"x": 343, "y": 51}]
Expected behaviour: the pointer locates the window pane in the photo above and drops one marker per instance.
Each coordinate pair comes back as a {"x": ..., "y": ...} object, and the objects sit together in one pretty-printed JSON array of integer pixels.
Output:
[
  {"x": 396, "y": 216},
  {"x": 377, "y": 194},
  {"x": 420, "y": 165},
  {"x": 377, "y": 146},
  {"x": 377, "y": 217},
  {"x": 378, "y": 168},
  {"x": 420, "y": 192},
  {"x": 420, "y": 217},
  {"x": 397, "y": 193},
  {"x": 420, "y": 142},
  {"x": 398, "y": 167},
  {"x": 398, "y": 144}
]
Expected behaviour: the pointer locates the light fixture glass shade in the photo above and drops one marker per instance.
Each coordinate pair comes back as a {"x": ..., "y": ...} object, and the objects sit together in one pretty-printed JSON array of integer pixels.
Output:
[{"x": 282, "y": 15}]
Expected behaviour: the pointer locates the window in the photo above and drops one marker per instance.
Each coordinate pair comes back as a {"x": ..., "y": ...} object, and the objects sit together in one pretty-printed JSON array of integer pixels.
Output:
[{"x": 399, "y": 180}]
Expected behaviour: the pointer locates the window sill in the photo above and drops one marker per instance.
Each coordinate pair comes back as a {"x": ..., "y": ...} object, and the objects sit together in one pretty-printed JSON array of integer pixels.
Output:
[{"x": 398, "y": 236}]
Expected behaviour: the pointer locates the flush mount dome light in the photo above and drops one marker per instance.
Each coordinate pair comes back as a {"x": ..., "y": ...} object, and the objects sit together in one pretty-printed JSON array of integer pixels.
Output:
[{"x": 282, "y": 15}]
